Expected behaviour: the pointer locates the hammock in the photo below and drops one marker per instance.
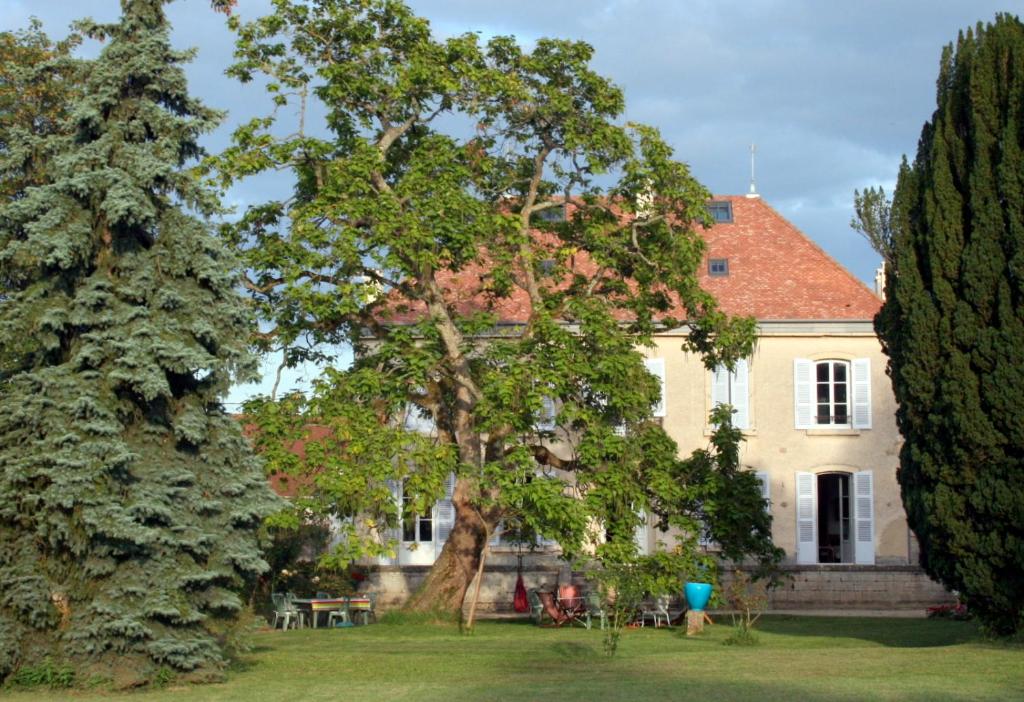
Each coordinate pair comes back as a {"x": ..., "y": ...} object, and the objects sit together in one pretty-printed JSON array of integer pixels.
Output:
[{"x": 520, "y": 602}]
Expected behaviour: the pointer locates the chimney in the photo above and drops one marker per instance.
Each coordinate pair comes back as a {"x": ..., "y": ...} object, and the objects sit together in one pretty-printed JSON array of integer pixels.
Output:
[{"x": 880, "y": 282}]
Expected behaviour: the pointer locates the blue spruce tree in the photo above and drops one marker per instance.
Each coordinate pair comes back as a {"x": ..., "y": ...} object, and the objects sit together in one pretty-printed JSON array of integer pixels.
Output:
[{"x": 129, "y": 500}]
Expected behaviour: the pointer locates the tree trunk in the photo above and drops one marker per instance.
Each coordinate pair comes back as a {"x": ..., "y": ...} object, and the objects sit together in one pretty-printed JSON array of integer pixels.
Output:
[{"x": 445, "y": 587}]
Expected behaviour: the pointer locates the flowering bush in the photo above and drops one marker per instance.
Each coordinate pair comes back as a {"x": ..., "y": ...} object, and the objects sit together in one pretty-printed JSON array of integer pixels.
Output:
[{"x": 956, "y": 611}]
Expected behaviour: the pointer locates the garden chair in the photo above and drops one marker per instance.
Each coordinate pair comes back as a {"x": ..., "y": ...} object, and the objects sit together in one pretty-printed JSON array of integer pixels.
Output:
[
  {"x": 536, "y": 607},
  {"x": 342, "y": 614},
  {"x": 572, "y": 605},
  {"x": 657, "y": 612},
  {"x": 596, "y": 609},
  {"x": 285, "y": 611},
  {"x": 289, "y": 598}
]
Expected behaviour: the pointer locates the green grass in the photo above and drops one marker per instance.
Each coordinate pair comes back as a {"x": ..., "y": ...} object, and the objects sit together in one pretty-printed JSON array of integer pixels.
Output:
[{"x": 798, "y": 658}]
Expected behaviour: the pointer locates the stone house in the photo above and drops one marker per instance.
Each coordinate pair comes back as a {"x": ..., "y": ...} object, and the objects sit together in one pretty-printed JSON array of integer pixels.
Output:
[{"x": 817, "y": 412}]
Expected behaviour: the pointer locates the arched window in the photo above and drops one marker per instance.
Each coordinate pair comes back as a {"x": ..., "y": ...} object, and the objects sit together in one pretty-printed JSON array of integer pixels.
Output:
[{"x": 832, "y": 393}]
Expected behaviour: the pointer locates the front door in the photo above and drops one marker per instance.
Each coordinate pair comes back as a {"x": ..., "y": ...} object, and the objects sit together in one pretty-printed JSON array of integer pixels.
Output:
[
  {"x": 835, "y": 518},
  {"x": 834, "y": 542}
]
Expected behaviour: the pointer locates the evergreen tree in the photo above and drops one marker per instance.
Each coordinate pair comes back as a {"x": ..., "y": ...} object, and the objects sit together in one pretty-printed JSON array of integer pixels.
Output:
[
  {"x": 953, "y": 326},
  {"x": 129, "y": 501}
]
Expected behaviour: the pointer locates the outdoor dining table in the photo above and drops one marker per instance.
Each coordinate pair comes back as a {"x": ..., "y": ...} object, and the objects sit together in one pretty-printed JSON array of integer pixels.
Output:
[{"x": 318, "y": 606}]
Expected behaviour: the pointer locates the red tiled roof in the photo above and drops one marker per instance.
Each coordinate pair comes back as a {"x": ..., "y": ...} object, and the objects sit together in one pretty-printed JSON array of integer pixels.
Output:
[
  {"x": 283, "y": 484},
  {"x": 775, "y": 273}
]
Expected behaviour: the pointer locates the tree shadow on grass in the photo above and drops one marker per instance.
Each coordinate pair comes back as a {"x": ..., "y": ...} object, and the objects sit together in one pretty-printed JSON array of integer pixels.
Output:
[
  {"x": 892, "y": 632},
  {"x": 639, "y": 686},
  {"x": 572, "y": 651}
]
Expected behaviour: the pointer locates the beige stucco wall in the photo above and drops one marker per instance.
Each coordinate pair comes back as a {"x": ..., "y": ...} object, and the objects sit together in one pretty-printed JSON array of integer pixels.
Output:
[{"x": 772, "y": 443}]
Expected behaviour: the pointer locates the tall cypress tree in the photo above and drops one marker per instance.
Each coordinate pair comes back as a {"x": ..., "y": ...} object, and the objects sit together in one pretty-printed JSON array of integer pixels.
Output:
[
  {"x": 129, "y": 501},
  {"x": 953, "y": 326}
]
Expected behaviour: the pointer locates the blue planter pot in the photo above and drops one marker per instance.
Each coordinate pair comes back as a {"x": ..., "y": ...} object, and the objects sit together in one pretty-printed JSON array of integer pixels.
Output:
[{"x": 697, "y": 595}]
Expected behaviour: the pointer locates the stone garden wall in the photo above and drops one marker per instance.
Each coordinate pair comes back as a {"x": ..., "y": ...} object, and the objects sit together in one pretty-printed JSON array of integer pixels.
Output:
[{"x": 806, "y": 587}]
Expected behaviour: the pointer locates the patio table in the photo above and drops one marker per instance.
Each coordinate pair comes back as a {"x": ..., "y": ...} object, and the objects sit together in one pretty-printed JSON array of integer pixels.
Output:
[{"x": 317, "y": 606}]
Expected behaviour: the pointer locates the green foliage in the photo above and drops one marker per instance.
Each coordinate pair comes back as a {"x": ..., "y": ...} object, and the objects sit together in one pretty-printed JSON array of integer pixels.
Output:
[
  {"x": 423, "y": 245},
  {"x": 38, "y": 84},
  {"x": 953, "y": 326},
  {"x": 129, "y": 501},
  {"x": 625, "y": 581},
  {"x": 741, "y": 636},
  {"x": 873, "y": 220},
  {"x": 44, "y": 674},
  {"x": 164, "y": 676},
  {"x": 747, "y": 598}
]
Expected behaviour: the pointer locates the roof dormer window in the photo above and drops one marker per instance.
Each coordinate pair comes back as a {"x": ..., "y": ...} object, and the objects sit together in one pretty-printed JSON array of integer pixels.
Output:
[
  {"x": 721, "y": 211},
  {"x": 555, "y": 213},
  {"x": 718, "y": 267}
]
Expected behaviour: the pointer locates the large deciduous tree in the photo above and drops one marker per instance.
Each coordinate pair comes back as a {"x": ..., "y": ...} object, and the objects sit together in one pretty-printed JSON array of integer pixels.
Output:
[
  {"x": 129, "y": 501},
  {"x": 496, "y": 247},
  {"x": 34, "y": 100},
  {"x": 953, "y": 325},
  {"x": 873, "y": 220}
]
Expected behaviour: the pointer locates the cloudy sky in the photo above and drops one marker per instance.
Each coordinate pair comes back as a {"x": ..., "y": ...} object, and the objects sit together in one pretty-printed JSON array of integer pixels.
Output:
[{"x": 832, "y": 93}]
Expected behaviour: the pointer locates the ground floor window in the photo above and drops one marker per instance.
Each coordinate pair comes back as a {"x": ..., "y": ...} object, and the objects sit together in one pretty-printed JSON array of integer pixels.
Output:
[{"x": 416, "y": 527}]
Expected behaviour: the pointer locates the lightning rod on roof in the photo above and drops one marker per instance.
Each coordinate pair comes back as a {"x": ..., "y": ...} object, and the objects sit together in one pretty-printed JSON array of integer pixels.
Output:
[{"x": 753, "y": 186}]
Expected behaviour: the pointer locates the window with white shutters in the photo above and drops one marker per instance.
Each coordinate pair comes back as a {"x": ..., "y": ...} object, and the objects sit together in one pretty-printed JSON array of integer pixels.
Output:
[
  {"x": 762, "y": 478},
  {"x": 656, "y": 367},
  {"x": 732, "y": 388},
  {"x": 832, "y": 393},
  {"x": 444, "y": 514},
  {"x": 548, "y": 413}
]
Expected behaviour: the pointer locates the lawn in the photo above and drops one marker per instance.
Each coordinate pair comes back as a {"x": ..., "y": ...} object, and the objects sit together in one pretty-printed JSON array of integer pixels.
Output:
[{"x": 799, "y": 658}]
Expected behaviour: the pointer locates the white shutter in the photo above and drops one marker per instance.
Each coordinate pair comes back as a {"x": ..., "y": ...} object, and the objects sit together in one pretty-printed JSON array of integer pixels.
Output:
[
  {"x": 393, "y": 534},
  {"x": 766, "y": 495},
  {"x": 864, "y": 517},
  {"x": 803, "y": 393},
  {"x": 738, "y": 395},
  {"x": 861, "y": 393},
  {"x": 719, "y": 386},
  {"x": 641, "y": 535},
  {"x": 656, "y": 367},
  {"x": 495, "y": 535},
  {"x": 548, "y": 412},
  {"x": 806, "y": 511},
  {"x": 444, "y": 514}
]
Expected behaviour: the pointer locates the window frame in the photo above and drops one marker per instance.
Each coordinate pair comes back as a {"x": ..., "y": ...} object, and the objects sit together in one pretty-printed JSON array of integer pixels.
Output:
[
  {"x": 417, "y": 522},
  {"x": 552, "y": 215},
  {"x": 737, "y": 392},
  {"x": 724, "y": 206},
  {"x": 723, "y": 272},
  {"x": 831, "y": 384}
]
